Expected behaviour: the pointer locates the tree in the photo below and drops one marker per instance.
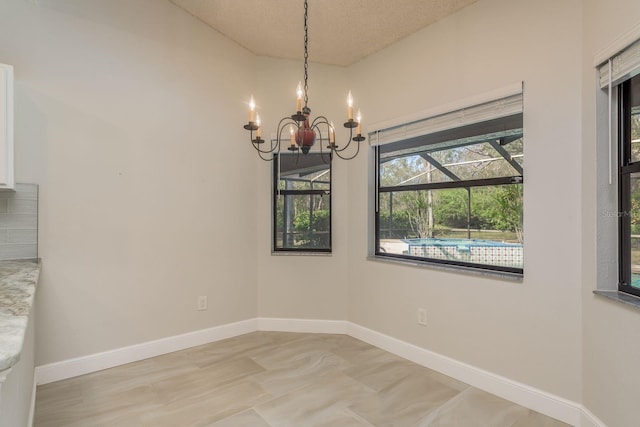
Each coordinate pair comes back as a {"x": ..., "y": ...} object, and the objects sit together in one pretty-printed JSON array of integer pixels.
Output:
[
  {"x": 451, "y": 208},
  {"x": 399, "y": 227},
  {"x": 417, "y": 207},
  {"x": 482, "y": 207},
  {"x": 316, "y": 231},
  {"x": 506, "y": 213}
]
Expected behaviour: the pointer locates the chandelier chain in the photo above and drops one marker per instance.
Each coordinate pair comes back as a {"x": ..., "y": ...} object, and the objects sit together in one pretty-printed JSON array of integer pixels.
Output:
[{"x": 306, "y": 55}]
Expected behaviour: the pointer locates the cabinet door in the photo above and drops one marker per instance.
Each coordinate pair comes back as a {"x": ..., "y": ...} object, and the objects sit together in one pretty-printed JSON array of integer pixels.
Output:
[{"x": 6, "y": 127}]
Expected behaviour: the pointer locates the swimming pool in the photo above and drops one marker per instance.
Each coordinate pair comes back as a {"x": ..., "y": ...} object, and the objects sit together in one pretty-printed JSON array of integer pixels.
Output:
[
  {"x": 474, "y": 251},
  {"x": 435, "y": 241}
]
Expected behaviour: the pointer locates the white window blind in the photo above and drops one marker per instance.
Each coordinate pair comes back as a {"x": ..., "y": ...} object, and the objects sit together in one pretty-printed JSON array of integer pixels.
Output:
[
  {"x": 620, "y": 67},
  {"x": 507, "y": 105},
  {"x": 624, "y": 65}
]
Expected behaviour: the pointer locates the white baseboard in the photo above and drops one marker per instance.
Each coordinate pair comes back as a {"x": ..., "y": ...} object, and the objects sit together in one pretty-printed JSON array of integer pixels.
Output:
[
  {"x": 312, "y": 326},
  {"x": 96, "y": 362},
  {"x": 546, "y": 403},
  {"x": 588, "y": 419},
  {"x": 522, "y": 394}
]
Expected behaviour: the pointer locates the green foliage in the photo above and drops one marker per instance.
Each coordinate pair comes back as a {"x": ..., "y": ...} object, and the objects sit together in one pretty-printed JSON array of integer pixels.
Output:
[
  {"x": 450, "y": 208},
  {"x": 492, "y": 208},
  {"x": 399, "y": 228},
  {"x": 483, "y": 202},
  {"x": 635, "y": 207},
  {"x": 316, "y": 233},
  {"x": 506, "y": 211},
  {"x": 320, "y": 221},
  {"x": 430, "y": 213}
]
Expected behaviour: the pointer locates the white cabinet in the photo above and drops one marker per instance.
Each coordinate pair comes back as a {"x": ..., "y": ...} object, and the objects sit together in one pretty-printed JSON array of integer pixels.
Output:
[
  {"x": 6, "y": 127},
  {"x": 17, "y": 388}
]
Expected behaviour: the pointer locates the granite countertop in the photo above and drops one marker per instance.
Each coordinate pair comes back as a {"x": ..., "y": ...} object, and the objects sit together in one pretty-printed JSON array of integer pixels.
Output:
[{"x": 18, "y": 280}]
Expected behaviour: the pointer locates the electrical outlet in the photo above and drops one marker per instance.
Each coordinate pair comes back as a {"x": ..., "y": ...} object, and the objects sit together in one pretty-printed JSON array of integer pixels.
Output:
[
  {"x": 202, "y": 302},
  {"x": 422, "y": 316}
]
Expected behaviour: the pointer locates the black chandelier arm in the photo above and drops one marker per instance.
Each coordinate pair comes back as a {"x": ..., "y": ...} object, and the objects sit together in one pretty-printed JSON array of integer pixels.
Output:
[
  {"x": 322, "y": 120},
  {"x": 274, "y": 147},
  {"x": 347, "y": 145},
  {"x": 288, "y": 121},
  {"x": 318, "y": 122},
  {"x": 337, "y": 152},
  {"x": 322, "y": 154},
  {"x": 266, "y": 159},
  {"x": 256, "y": 145},
  {"x": 326, "y": 158},
  {"x": 261, "y": 152},
  {"x": 316, "y": 127},
  {"x": 357, "y": 139},
  {"x": 284, "y": 122}
]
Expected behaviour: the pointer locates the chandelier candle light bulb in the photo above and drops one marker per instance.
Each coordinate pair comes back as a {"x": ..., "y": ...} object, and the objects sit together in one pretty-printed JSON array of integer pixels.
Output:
[
  {"x": 252, "y": 110},
  {"x": 299, "y": 100},
  {"x": 332, "y": 135},
  {"x": 259, "y": 130},
  {"x": 349, "y": 106},
  {"x": 359, "y": 119}
]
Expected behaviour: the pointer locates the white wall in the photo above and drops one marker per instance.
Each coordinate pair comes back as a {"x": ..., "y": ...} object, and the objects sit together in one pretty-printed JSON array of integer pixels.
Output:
[
  {"x": 127, "y": 116},
  {"x": 528, "y": 331},
  {"x": 611, "y": 350}
]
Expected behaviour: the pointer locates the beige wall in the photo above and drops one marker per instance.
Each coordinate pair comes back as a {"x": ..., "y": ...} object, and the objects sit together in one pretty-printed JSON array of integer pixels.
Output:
[
  {"x": 611, "y": 350},
  {"x": 528, "y": 331},
  {"x": 128, "y": 118}
]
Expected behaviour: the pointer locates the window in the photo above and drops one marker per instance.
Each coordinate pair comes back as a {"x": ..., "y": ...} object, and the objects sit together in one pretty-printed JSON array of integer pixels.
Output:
[
  {"x": 619, "y": 76},
  {"x": 453, "y": 196},
  {"x": 302, "y": 203},
  {"x": 629, "y": 185}
]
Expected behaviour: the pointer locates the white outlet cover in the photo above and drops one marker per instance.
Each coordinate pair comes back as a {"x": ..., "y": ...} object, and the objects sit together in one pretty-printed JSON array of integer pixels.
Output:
[{"x": 422, "y": 316}]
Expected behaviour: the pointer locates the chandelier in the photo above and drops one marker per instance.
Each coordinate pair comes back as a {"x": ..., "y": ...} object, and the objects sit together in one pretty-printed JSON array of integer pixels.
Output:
[{"x": 298, "y": 129}]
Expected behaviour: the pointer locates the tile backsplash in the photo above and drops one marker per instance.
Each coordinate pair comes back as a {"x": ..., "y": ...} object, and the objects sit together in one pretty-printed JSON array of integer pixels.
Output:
[{"x": 19, "y": 222}]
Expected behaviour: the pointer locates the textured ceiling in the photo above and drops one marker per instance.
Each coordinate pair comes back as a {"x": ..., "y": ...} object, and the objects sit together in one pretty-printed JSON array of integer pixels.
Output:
[{"x": 341, "y": 32}]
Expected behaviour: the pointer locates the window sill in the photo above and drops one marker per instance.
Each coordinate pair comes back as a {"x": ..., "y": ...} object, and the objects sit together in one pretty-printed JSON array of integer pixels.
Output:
[
  {"x": 300, "y": 253},
  {"x": 469, "y": 271},
  {"x": 620, "y": 297}
]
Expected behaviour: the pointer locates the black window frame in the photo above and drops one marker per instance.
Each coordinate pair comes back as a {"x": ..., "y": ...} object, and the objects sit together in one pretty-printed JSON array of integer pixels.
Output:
[
  {"x": 302, "y": 160},
  {"x": 626, "y": 167},
  {"x": 510, "y": 122}
]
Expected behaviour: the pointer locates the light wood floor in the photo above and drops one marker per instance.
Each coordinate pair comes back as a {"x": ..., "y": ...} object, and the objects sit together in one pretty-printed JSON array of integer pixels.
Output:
[{"x": 276, "y": 379}]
